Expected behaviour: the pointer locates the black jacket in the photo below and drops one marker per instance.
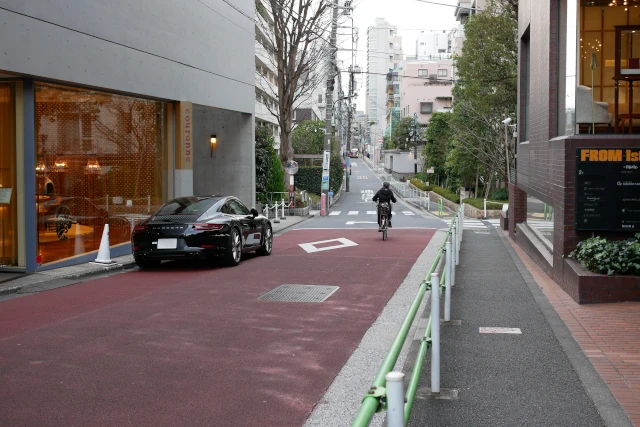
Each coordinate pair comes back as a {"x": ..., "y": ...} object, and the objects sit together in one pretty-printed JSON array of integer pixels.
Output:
[{"x": 384, "y": 195}]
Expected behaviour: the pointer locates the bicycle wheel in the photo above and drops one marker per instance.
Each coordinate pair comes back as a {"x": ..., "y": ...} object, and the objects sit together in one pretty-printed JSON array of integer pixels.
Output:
[{"x": 384, "y": 234}]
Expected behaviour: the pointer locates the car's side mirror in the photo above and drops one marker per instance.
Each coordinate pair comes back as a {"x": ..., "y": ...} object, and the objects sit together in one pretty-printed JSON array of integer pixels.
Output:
[{"x": 254, "y": 212}]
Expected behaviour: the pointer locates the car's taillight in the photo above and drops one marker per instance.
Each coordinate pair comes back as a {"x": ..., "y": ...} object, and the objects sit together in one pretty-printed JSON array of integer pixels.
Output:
[
  {"x": 207, "y": 227},
  {"x": 139, "y": 228}
]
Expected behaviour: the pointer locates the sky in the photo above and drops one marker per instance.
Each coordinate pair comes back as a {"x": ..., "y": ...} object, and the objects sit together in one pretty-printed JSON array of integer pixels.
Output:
[{"x": 410, "y": 16}]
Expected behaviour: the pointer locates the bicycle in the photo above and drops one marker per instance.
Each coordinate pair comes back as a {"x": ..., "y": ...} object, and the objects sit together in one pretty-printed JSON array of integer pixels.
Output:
[{"x": 384, "y": 210}]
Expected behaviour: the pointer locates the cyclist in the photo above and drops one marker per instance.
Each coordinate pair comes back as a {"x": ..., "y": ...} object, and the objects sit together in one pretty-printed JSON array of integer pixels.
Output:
[{"x": 385, "y": 195}]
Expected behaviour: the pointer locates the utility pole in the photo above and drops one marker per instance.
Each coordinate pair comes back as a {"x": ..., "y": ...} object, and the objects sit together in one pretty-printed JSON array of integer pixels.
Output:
[
  {"x": 415, "y": 143},
  {"x": 328, "y": 111},
  {"x": 351, "y": 71}
]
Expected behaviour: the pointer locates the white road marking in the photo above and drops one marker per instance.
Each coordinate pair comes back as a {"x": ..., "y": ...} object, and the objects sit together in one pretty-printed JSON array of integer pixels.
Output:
[
  {"x": 311, "y": 248},
  {"x": 408, "y": 213},
  {"x": 353, "y": 213},
  {"x": 359, "y": 222},
  {"x": 485, "y": 330},
  {"x": 334, "y": 213},
  {"x": 371, "y": 212}
]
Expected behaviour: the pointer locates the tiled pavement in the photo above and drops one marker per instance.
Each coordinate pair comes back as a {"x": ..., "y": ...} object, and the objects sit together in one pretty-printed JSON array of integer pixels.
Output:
[{"x": 609, "y": 334}]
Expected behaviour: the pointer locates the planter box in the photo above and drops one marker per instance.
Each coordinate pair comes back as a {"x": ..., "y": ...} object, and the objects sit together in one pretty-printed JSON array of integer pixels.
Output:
[{"x": 586, "y": 287}]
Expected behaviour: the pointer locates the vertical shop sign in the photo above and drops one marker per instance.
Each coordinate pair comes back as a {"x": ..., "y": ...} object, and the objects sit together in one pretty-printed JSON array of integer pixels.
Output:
[{"x": 184, "y": 137}]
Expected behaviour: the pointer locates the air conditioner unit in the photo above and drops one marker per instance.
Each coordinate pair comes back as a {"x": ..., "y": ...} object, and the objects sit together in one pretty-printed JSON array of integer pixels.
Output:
[{"x": 433, "y": 77}]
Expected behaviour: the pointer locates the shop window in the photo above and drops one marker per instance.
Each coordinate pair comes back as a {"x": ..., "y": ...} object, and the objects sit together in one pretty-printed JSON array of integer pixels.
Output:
[
  {"x": 423, "y": 72},
  {"x": 100, "y": 159},
  {"x": 8, "y": 190}
]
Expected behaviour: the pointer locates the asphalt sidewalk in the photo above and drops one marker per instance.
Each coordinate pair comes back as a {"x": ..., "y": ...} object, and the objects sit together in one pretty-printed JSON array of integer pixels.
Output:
[
  {"x": 538, "y": 377},
  {"x": 20, "y": 283}
]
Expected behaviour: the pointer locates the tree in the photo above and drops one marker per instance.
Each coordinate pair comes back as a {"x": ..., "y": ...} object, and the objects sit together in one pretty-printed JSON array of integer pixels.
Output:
[
  {"x": 438, "y": 140},
  {"x": 269, "y": 173},
  {"x": 486, "y": 90},
  {"x": 403, "y": 132},
  {"x": 293, "y": 30},
  {"x": 308, "y": 137}
]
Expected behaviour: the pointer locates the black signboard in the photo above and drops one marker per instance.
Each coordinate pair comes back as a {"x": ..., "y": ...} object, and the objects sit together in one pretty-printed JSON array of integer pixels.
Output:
[{"x": 608, "y": 189}]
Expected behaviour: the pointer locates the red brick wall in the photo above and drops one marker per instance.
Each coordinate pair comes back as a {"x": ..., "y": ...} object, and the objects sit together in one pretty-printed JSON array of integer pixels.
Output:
[{"x": 517, "y": 208}]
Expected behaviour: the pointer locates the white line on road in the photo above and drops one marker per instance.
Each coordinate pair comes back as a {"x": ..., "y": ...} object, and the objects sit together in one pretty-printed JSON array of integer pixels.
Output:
[
  {"x": 408, "y": 213},
  {"x": 485, "y": 330},
  {"x": 334, "y": 213},
  {"x": 371, "y": 212},
  {"x": 353, "y": 213}
]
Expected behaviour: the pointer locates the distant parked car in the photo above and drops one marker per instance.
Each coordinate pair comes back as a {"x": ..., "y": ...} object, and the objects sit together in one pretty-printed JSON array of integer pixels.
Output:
[{"x": 201, "y": 227}]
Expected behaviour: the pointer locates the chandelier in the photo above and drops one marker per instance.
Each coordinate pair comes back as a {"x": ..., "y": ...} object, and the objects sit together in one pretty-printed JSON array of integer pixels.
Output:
[{"x": 624, "y": 2}]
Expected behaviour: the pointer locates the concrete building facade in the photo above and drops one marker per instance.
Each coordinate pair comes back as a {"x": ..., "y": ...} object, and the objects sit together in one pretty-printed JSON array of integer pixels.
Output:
[
  {"x": 384, "y": 53},
  {"x": 109, "y": 110},
  {"x": 425, "y": 88}
]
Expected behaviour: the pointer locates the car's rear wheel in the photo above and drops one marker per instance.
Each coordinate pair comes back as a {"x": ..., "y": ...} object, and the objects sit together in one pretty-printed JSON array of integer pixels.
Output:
[
  {"x": 147, "y": 263},
  {"x": 234, "y": 251},
  {"x": 267, "y": 243}
]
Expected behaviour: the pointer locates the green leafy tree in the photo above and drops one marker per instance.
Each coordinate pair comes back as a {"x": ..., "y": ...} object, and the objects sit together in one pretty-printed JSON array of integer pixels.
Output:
[
  {"x": 486, "y": 90},
  {"x": 308, "y": 137},
  {"x": 387, "y": 143},
  {"x": 268, "y": 166},
  {"x": 402, "y": 132},
  {"x": 438, "y": 140}
]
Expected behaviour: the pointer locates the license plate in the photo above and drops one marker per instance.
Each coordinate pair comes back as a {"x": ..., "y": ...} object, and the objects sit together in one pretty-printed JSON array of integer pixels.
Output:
[{"x": 167, "y": 243}]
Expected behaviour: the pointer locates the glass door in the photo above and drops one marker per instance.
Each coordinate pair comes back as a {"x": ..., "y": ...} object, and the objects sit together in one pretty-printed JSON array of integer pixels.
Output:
[{"x": 8, "y": 196}]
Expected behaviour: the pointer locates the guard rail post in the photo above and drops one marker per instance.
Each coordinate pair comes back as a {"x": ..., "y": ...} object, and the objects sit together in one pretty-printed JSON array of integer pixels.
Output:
[
  {"x": 283, "y": 217},
  {"x": 395, "y": 399},
  {"x": 456, "y": 246},
  {"x": 447, "y": 282},
  {"x": 459, "y": 237},
  {"x": 435, "y": 333},
  {"x": 276, "y": 221},
  {"x": 266, "y": 209}
]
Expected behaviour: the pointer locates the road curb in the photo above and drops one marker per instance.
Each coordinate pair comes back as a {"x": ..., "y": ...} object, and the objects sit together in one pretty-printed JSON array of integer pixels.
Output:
[
  {"x": 291, "y": 225},
  {"x": 78, "y": 275}
]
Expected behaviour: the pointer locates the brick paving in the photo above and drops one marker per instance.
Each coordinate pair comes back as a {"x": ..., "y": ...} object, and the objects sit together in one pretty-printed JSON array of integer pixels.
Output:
[{"x": 609, "y": 334}]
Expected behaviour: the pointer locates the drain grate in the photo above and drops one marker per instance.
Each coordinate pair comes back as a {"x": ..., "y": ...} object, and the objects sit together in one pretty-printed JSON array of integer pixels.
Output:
[{"x": 299, "y": 293}]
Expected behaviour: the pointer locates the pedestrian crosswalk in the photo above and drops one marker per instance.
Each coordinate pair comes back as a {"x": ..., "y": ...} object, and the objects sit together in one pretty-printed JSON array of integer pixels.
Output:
[
  {"x": 479, "y": 224},
  {"x": 354, "y": 213}
]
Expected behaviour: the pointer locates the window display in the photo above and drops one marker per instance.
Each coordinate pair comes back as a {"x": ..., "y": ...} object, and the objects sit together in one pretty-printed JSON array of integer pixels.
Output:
[{"x": 100, "y": 159}]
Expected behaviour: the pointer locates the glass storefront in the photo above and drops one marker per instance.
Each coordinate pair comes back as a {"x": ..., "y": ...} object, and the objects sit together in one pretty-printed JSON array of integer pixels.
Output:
[
  {"x": 8, "y": 192},
  {"x": 100, "y": 159}
]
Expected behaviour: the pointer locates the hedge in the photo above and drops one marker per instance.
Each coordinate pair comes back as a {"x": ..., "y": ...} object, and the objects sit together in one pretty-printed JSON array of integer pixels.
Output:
[
  {"x": 479, "y": 203},
  {"x": 309, "y": 178},
  {"x": 420, "y": 184},
  {"x": 446, "y": 194}
]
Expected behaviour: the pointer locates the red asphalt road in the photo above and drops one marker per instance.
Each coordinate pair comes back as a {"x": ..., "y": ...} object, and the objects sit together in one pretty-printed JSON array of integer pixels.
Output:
[{"x": 184, "y": 346}]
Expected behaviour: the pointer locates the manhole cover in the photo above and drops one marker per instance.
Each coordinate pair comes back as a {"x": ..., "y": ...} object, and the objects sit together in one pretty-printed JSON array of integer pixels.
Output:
[{"x": 299, "y": 293}]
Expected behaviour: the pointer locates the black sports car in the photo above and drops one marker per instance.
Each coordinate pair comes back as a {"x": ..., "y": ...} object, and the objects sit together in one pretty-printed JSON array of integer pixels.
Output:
[{"x": 200, "y": 227}]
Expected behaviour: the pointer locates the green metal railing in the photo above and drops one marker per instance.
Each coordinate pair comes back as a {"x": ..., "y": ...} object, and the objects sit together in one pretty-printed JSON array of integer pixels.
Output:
[{"x": 371, "y": 403}]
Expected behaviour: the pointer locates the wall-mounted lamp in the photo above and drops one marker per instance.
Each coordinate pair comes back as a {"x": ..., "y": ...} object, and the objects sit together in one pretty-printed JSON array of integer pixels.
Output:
[{"x": 214, "y": 145}]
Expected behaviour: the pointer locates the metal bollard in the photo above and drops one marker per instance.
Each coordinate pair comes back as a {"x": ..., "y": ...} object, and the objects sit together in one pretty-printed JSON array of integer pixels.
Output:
[
  {"x": 276, "y": 221},
  {"x": 429, "y": 202},
  {"x": 283, "y": 217},
  {"x": 485, "y": 209},
  {"x": 454, "y": 240},
  {"x": 266, "y": 209},
  {"x": 435, "y": 333},
  {"x": 447, "y": 282},
  {"x": 395, "y": 399}
]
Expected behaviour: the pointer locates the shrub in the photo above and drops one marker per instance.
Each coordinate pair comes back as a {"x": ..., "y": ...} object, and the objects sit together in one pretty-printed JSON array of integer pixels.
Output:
[
  {"x": 309, "y": 178},
  {"x": 500, "y": 194},
  {"x": 479, "y": 204},
  {"x": 421, "y": 176},
  {"x": 600, "y": 255},
  {"x": 420, "y": 184},
  {"x": 446, "y": 194}
]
